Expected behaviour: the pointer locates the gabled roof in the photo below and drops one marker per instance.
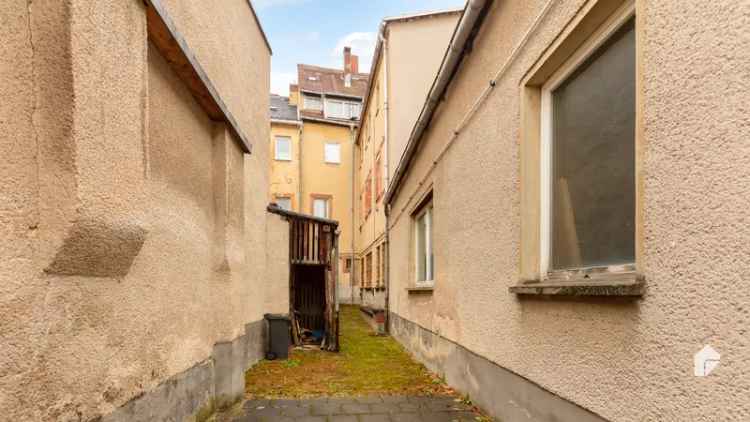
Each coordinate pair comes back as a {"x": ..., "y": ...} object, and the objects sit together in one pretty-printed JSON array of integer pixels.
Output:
[
  {"x": 330, "y": 81},
  {"x": 281, "y": 109}
]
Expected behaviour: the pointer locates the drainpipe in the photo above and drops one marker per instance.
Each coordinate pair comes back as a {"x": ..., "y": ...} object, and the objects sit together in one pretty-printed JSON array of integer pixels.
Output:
[
  {"x": 352, "y": 269},
  {"x": 299, "y": 169},
  {"x": 386, "y": 147}
]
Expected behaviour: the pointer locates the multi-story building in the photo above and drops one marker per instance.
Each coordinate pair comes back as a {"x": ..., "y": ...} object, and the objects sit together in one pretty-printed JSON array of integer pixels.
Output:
[
  {"x": 403, "y": 69},
  {"x": 312, "y": 146},
  {"x": 568, "y": 225}
]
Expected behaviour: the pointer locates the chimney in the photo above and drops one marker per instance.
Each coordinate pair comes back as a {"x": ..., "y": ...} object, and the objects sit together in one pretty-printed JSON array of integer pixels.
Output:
[{"x": 351, "y": 62}]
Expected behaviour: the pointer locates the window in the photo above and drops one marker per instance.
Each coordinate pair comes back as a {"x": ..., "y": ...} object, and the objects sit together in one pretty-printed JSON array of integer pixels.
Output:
[
  {"x": 588, "y": 155},
  {"x": 368, "y": 270},
  {"x": 321, "y": 207},
  {"x": 284, "y": 202},
  {"x": 377, "y": 266},
  {"x": 332, "y": 153},
  {"x": 340, "y": 109},
  {"x": 379, "y": 176},
  {"x": 347, "y": 265},
  {"x": 312, "y": 103},
  {"x": 425, "y": 266},
  {"x": 367, "y": 205},
  {"x": 283, "y": 148}
]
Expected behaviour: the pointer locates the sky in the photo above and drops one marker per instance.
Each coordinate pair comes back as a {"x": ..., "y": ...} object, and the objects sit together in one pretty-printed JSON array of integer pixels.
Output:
[{"x": 316, "y": 31}]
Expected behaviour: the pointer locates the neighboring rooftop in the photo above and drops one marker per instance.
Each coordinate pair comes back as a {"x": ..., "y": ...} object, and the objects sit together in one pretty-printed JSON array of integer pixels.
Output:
[
  {"x": 330, "y": 81},
  {"x": 281, "y": 109}
]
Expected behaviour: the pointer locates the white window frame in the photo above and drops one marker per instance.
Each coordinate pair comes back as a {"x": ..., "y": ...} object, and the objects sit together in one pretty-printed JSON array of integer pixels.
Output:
[
  {"x": 427, "y": 212},
  {"x": 276, "y": 148},
  {"x": 325, "y": 152},
  {"x": 596, "y": 40},
  {"x": 327, "y": 202},
  {"x": 284, "y": 198}
]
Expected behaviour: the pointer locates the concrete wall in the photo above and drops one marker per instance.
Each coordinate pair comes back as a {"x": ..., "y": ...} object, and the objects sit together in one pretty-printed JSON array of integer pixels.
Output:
[
  {"x": 135, "y": 237},
  {"x": 624, "y": 360}
]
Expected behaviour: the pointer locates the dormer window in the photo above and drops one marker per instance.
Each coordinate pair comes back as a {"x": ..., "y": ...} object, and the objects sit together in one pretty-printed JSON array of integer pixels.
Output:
[
  {"x": 313, "y": 103},
  {"x": 342, "y": 109}
]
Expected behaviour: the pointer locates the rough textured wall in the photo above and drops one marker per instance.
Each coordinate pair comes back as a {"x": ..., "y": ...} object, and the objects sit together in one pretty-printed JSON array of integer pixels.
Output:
[
  {"x": 134, "y": 229},
  {"x": 624, "y": 360},
  {"x": 412, "y": 67}
]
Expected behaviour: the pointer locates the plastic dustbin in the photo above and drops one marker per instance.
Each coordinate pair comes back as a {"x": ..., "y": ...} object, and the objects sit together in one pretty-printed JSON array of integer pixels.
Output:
[{"x": 279, "y": 336}]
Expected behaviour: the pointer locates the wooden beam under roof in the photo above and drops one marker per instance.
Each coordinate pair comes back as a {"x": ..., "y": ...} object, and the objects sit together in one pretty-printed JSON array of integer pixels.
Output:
[{"x": 164, "y": 36}]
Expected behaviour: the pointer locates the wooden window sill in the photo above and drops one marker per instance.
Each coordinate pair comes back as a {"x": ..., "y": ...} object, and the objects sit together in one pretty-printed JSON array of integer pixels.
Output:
[{"x": 624, "y": 284}]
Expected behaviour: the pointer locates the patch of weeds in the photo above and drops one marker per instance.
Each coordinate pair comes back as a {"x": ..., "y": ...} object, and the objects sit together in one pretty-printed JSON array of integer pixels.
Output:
[{"x": 292, "y": 363}]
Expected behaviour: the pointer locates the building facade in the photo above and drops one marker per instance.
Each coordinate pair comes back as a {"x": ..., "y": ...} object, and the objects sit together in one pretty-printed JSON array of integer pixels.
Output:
[
  {"x": 135, "y": 259},
  {"x": 569, "y": 217},
  {"x": 403, "y": 69},
  {"x": 313, "y": 152}
]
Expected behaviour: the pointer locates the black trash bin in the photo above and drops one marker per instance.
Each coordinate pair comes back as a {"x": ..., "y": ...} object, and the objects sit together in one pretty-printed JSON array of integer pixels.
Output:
[{"x": 279, "y": 336}]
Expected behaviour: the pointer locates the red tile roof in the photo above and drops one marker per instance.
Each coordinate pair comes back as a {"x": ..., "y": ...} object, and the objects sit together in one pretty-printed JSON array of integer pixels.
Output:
[{"x": 330, "y": 81}]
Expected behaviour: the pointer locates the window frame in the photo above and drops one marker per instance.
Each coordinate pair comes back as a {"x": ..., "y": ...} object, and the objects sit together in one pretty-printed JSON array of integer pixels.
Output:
[
  {"x": 322, "y": 197},
  {"x": 276, "y": 139},
  {"x": 426, "y": 210},
  {"x": 607, "y": 29},
  {"x": 290, "y": 197},
  {"x": 312, "y": 98},
  {"x": 325, "y": 152}
]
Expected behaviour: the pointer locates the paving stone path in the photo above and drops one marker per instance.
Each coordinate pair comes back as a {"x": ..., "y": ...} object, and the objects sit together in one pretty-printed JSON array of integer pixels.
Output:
[{"x": 358, "y": 409}]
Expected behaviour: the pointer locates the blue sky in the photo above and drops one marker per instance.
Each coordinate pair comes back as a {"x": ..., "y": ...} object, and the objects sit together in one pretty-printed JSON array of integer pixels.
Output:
[{"x": 315, "y": 31}]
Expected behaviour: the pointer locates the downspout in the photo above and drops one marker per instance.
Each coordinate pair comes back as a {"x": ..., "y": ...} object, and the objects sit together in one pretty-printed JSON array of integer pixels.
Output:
[
  {"x": 352, "y": 269},
  {"x": 299, "y": 169},
  {"x": 386, "y": 147}
]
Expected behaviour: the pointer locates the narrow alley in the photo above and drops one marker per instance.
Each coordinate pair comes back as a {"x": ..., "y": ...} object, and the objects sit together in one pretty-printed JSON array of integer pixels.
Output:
[{"x": 372, "y": 379}]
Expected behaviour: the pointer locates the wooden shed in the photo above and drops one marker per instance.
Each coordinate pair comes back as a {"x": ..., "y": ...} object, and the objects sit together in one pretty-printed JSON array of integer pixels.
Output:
[{"x": 313, "y": 257}]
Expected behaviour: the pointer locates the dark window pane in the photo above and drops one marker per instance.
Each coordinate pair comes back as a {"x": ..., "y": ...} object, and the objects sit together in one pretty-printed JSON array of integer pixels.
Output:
[{"x": 593, "y": 186}]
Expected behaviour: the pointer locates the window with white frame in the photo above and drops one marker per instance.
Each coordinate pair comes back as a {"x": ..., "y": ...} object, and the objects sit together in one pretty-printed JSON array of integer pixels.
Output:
[
  {"x": 312, "y": 103},
  {"x": 332, "y": 153},
  {"x": 424, "y": 257},
  {"x": 283, "y": 148},
  {"x": 588, "y": 153},
  {"x": 284, "y": 202},
  {"x": 341, "y": 109},
  {"x": 321, "y": 207}
]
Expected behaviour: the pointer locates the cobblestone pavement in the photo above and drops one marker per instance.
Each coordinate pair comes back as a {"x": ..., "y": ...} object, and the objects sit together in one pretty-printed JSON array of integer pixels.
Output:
[{"x": 359, "y": 409}]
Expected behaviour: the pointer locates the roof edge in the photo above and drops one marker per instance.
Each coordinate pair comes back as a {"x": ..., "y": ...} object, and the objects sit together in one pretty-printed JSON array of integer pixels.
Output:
[
  {"x": 260, "y": 27},
  {"x": 468, "y": 26}
]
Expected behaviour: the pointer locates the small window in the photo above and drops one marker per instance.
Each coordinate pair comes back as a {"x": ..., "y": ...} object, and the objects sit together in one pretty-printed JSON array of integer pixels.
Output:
[
  {"x": 321, "y": 207},
  {"x": 284, "y": 202},
  {"x": 332, "y": 153},
  {"x": 425, "y": 266},
  {"x": 588, "y": 156},
  {"x": 283, "y": 148},
  {"x": 347, "y": 265},
  {"x": 379, "y": 176},
  {"x": 377, "y": 266},
  {"x": 368, "y": 270},
  {"x": 312, "y": 103}
]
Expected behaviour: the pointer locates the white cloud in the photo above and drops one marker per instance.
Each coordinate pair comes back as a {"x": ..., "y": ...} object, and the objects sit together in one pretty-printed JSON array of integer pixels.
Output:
[
  {"x": 280, "y": 82},
  {"x": 265, "y": 4},
  {"x": 362, "y": 44}
]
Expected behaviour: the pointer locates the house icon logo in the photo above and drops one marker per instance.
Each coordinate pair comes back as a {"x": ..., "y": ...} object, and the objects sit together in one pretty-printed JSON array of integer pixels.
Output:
[{"x": 705, "y": 361}]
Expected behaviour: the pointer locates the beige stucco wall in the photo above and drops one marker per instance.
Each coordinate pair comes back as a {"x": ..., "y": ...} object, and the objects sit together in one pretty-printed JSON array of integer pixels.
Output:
[
  {"x": 134, "y": 229},
  {"x": 626, "y": 360},
  {"x": 284, "y": 175},
  {"x": 411, "y": 65}
]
